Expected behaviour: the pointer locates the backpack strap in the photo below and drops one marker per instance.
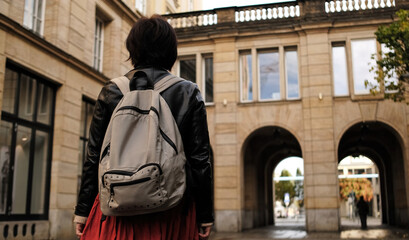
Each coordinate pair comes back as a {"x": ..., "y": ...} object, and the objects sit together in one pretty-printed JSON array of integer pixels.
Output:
[
  {"x": 123, "y": 84},
  {"x": 166, "y": 82}
]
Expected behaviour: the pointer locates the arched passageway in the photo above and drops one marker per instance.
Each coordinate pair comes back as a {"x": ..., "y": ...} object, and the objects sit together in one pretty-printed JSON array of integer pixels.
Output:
[
  {"x": 261, "y": 153},
  {"x": 382, "y": 144}
]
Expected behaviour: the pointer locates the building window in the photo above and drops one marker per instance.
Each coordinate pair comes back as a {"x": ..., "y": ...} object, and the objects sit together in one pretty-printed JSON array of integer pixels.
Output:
[
  {"x": 34, "y": 15},
  {"x": 208, "y": 78},
  {"x": 202, "y": 76},
  {"x": 25, "y": 145},
  {"x": 140, "y": 5},
  {"x": 291, "y": 73},
  {"x": 269, "y": 75},
  {"x": 339, "y": 70},
  {"x": 246, "y": 77},
  {"x": 87, "y": 110},
  {"x": 187, "y": 68},
  {"x": 98, "y": 44},
  {"x": 362, "y": 51}
]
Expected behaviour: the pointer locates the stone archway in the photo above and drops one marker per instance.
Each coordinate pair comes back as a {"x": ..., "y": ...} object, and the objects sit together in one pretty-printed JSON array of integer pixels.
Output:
[
  {"x": 262, "y": 151},
  {"x": 382, "y": 144}
]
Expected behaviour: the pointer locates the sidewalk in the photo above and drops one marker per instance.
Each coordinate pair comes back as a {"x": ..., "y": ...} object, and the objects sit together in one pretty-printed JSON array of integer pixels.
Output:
[{"x": 350, "y": 230}]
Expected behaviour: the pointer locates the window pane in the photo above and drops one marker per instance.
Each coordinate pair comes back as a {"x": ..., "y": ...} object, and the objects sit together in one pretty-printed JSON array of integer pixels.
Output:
[
  {"x": 21, "y": 164},
  {"x": 10, "y": 89},
  {"x": 291, "y": 64},
  {"x": 339, "y": 70},
  {"x": 90, "y": 112},
  {"x": 39, "y": 16},
  {"x": 98, "y": 38},
  {"x": 6, "y": 129},
  {"x": 188, "y": 69},
  {"x": 362, "y": 51},
  {"x": 27, "y": 97},
  {"x": 269, "y": 75},
  {"x": 209, "y": 79},
  {"x": 28, "y": 13},
  {"x": 246, "y": 76},
  {"x": 39, "y": 172},
  {"x": 44, "y": 104}
]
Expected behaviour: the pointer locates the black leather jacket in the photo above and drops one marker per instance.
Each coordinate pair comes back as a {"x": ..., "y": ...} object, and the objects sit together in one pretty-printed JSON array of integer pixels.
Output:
[{"x": 188, "y": 109}]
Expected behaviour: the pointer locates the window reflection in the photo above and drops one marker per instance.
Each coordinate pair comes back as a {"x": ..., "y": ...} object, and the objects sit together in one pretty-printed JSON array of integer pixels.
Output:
[
  {"x": 5, "y": 145},
  {"x": 21, "y": 167},
  {"x": 208, "y": 74},
  {"x": 39, "y": 173},
  {"x": 339, "y": 71},
  {"x": 246, "y": 76},
  {"x": 362, "y": 51},
  {"x": 291, "y": 64},
  {"x": 188, "y": 69},
  {"x": 269, "y": 75}
]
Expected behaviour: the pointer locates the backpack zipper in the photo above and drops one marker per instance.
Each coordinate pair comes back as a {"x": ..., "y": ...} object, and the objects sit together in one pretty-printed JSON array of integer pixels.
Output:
[
  {"x": 142, "y": 180},
  {"x": 141, "y": 111},
  {"x": 119, "y": 172}
]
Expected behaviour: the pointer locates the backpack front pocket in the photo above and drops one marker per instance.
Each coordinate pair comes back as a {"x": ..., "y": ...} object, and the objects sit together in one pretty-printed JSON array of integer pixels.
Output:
[{"x": 139, "y": 191}]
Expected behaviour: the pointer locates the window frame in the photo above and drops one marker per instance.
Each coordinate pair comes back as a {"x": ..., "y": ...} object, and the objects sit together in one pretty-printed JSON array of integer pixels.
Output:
[
  {"x": 98, "y": 54},
  {"x": 203, "y": 78},
  {"x": 34, "y": 16},
  {"x": 246, "y": 53},
  {"x": 34, "y": 126},
  {"x": 292, "y": 49},
  {"x": 347, "y": 68},
  {"x": 355, "y": 93}
]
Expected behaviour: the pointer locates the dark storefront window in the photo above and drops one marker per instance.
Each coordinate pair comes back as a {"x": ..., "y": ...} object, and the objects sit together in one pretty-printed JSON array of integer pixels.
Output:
[{"x": 25, "y": 145}]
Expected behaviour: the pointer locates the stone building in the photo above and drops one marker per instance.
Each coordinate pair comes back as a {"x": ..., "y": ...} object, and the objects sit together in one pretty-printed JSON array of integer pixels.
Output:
[
  {"x": 54, "y": 58},
  {"x": 287, "y": 79}
]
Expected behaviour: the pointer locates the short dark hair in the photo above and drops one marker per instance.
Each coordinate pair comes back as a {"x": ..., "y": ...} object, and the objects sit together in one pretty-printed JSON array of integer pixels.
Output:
[{"x": 152, "y": 42}]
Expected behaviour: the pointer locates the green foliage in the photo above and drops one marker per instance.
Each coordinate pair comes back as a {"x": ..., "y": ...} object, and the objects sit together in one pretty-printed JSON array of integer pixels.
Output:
[
  {"x": 299, "y": 189},
  {"x": 283, "y": 187},
  {"x": 394, "y": 63},
  {"x": 361, "y": 187}
]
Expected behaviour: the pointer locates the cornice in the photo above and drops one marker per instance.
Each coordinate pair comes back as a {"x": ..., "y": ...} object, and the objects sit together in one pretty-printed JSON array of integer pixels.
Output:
[{"x": 16, "y": 29}]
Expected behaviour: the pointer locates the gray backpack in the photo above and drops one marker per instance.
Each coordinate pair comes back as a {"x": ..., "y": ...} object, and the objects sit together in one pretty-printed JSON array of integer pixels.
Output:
[{"x": 142, "y": 163}]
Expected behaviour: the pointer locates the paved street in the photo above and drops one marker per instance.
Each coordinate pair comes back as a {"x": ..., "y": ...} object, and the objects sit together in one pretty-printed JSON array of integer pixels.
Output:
[{"x": 296, "y": 230}]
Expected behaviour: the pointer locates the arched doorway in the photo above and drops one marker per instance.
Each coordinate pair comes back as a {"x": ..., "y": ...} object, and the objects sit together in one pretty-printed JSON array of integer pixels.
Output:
[
  {"x": 288, "y": 192},
  {"x": 359, "y": 177},
  {"x": 261, "y": 153},
  {"x": 382, "y": 144}
]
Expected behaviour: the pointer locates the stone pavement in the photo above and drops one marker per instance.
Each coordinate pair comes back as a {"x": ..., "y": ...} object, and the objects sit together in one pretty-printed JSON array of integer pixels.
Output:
[{"x": 349, "y": 230}]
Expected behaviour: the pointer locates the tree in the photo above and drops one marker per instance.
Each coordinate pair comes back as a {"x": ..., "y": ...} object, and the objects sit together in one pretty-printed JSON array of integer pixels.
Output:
[
  {"x": 299, "y": 188},
  {"x": 395, "y": 62},
  {"x": 361, "y": 187},
  {"x": 283, "y": 187}
]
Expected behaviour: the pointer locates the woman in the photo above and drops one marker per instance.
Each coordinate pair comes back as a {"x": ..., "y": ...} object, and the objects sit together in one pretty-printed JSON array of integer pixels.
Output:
[{"x": 152, "y": 47}]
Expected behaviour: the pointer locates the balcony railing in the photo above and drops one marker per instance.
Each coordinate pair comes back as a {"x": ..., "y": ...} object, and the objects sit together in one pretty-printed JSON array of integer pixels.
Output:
[
  {"x": 265, "y": 12},
  {"x": 309, "y": 9},
  {"x": 332, "y": 6}
]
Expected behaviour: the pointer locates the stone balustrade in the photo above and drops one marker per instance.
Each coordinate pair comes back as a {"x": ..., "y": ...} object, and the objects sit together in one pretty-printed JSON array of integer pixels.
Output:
[
  {"x": 303, "y": 9},
  {"x": 332, "y": 6}
]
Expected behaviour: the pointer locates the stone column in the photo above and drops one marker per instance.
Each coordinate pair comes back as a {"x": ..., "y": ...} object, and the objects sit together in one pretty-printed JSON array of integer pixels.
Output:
[
  {"x": 319, "y": 153},
  {"x": 63, "y": 191},
  {"x": 226, "y": 156}
]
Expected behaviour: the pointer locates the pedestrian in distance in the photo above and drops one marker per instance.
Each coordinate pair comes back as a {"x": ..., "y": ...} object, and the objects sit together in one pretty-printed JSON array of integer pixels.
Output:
[
  {"x": 363, "y": 210},
  {"x": 183, "y": 214}
]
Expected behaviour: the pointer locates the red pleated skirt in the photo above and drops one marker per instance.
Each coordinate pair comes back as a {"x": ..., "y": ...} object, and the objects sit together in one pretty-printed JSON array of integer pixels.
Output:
[{"x": 174, "y": 224}]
